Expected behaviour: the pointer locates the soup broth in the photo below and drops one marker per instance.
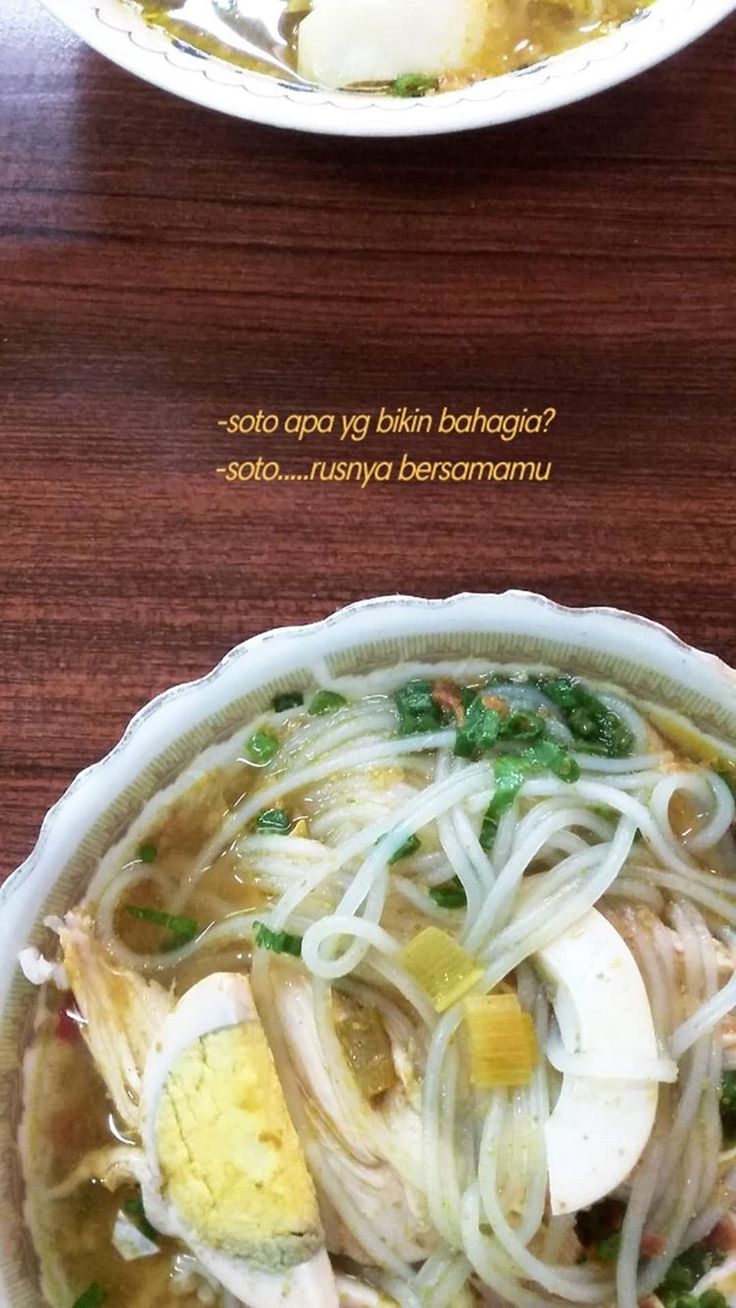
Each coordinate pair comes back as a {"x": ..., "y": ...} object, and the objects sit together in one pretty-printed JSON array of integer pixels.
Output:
[
  {"x": 263, "y": 35},
  {"x": 406, "y": 956}
]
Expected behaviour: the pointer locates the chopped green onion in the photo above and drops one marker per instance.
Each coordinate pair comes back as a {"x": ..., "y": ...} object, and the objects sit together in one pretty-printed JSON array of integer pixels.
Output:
[
  {"x": 261, "y": 747},
  {"x": 93, "y": 1297},
  {"x": 135, "y": 1210},
  {"x": 417, "y": 708},
  {"x": 275, "y": 821},
  {"x": 596, "y": 728},
  {"x": 519, "y": 725},
  {"x": 450, "y": 895},
  {"x": 325, "y": 701},
  {"x": 548, "y": 754},
  {"x": 410, "y": 846},
  {"x": 286, "y": 700},
  {"x": 414, "y": 84},
  {"x": 511, "y": 771},
  {"x": 479, "y": 731},
  {"x": 708, "y": 1299},
  {"x": 607, "y": 1249},
  {"x": 712, "y": 1299},
  {"x": 183, "y": 929},
  {"x": 147, "y": 853},
  {"x": 727, "y": 1103},
  {"x": 684, "y": 1274},
  {"x": 279, "y": 942}
]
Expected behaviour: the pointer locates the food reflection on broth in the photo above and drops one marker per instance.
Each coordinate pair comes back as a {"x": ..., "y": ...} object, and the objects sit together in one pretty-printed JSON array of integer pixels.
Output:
[
  {"x": 417, "y": 992},
  {"x": 402, "y": 47}
]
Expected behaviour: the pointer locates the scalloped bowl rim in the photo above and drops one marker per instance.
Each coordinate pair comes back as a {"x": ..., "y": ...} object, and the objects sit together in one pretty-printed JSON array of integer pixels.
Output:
[
  {"x": 658, "y": 32},
  {"x": 145, "y": 719}
]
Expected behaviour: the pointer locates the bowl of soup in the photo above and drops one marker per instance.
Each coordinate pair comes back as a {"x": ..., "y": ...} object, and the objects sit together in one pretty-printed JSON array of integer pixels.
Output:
[
  {"x": 392, "y": 963},
  {"x": 386, "y": 67}
]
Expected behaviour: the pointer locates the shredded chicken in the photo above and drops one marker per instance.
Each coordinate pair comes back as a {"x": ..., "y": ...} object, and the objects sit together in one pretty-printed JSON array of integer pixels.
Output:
[{"x": 122, "y": 1013}]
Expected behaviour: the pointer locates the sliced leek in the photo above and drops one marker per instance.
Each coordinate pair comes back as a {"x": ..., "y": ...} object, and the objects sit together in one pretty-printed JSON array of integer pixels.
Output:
[
  {"x": 501, "y": 1039},
  {"x": 442, "y": 967}
]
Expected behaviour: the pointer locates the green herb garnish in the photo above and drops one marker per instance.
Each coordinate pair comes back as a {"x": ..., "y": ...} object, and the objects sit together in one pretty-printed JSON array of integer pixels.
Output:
[
  {"x": 480, "y": 730},
  {"x": 450, "y": 895},
  {"x": 511, "y": 771},
  {"x": 410, "y": 846},
  {"x": 275, "y": 821},
  {"x": 261, "y": 747},
  {"x": 607, "y": 1249},
  {"x": 94, "y": 1296},
  {"x": 417, "y": 708},
  {"x": 712, "y": 1299},
  {"x": 548, "y": 754},
  {"x": 279, "y": 942},
  {"x": 414, "y": 85},
  {"x": 727, "y": 1103},
  {"x": 684, "y": 1274},
  {"x": 147, "y": 853},
  {"x": 286, "y": 700},
  {"x": 134, "y": 1209},
  {"x": 486, "y": 724},
  {"x": 708, "y": 1299},
  {"x": 519, "y": 725},
  {"x": 183, "y": 929},
  {"x": 325, "y": 701},
  {"x": 598, "y": 1228},
  {"x": 595, "y": 727}
]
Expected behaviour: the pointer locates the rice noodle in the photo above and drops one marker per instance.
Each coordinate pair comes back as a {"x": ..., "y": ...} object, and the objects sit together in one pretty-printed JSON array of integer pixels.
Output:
[
  {"x": 432, "y": 1183},
  {"x": 704, "y": 1019}
]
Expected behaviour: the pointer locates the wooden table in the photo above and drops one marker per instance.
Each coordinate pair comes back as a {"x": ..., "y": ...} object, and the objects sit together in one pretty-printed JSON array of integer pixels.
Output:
[{"x": 163, "y": 268}]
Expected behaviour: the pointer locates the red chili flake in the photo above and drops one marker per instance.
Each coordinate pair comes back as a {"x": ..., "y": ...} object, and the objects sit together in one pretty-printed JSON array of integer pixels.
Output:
[
  {"x": 723, "y": 1236},
  {"x": 652, "y": 1245},
  {"x": 495, "y": 702},
  {"x": 68, "y": 1022},
  {"x": 446, "y": 696}
]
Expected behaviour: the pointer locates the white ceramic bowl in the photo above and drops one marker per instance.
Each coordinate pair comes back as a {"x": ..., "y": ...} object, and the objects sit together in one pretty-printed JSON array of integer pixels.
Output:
[
  {"x": 167, "y": 735},
  {"x": 121, "y": 34}
]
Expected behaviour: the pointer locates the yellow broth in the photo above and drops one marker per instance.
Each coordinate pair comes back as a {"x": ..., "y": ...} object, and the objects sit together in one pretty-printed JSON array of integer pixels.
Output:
[
  {"x": 71, "y": 1117},
  {"x": 521, "y": 32},
  {"x": 71, "y": 1111}
]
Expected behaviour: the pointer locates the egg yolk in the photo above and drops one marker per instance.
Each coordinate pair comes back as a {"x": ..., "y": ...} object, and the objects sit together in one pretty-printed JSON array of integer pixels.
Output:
[{"x": 230, "y": 1158}]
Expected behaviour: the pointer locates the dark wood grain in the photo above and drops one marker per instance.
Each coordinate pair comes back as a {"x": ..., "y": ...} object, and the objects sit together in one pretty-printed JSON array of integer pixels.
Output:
[{"x": 163, "y": 267}]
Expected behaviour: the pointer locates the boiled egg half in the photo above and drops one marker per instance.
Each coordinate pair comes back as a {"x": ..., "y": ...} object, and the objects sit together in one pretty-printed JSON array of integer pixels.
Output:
[
  {"x": 604, "y": 1115},
  {"x": 225, "y": 1171},
  {"x": 344, "y": 42}
]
